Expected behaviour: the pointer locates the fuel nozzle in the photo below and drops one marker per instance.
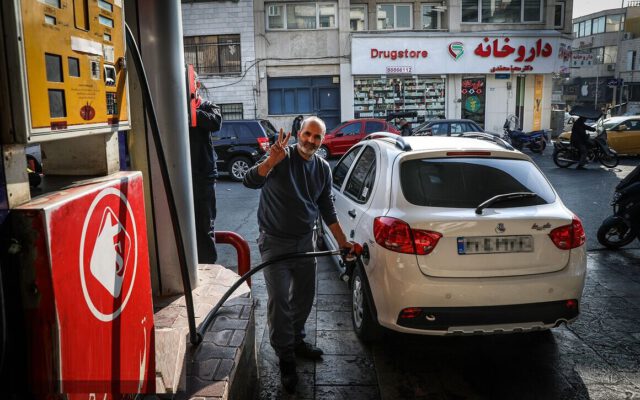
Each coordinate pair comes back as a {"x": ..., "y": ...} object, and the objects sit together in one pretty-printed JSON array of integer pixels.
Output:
[{"x": 352, "y": 254}]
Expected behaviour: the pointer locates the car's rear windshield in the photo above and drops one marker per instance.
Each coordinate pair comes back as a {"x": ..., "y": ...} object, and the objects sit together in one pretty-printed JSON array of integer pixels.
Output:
[
  {"x": 468, "y": 182},
  {"x": 268, "y": 128}
]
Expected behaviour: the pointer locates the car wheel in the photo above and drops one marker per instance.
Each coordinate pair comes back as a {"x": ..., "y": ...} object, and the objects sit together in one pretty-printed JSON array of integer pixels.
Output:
[
  {"x": 323, "y": 152},
  {"x": 615, "y": 233},
  {"x": 563, "y": 158},
  {"x": 238, "y": 167},
  {"x": 365, "y": 327},
  {"x": 538, "y": 147}
]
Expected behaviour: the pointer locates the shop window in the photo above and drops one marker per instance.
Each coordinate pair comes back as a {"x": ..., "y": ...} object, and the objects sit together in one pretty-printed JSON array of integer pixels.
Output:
[
  {"x": 432, "y": 16},
  {"x": 394, "y": 16},
  {"x": 502, "y": 11},
  {"x": 473, "y": 99},
  {"x": 358, "y": 18},
  {"x": 302, "y": 15},
  {"x": 231, "y": 111},
  {"x": 376, "y": 97},
  {"x": 558, "y": 16},
  {"x": 213, "y": 54}
]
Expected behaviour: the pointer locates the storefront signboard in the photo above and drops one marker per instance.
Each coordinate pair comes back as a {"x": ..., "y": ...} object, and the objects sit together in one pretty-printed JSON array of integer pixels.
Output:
[
  {"x": 537, "y": 102},
  {"x": 460, "y": 55}
]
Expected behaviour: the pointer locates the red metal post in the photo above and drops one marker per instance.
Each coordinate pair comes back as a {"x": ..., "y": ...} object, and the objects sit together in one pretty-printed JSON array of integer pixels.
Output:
[{"x": 242, "y": 248}]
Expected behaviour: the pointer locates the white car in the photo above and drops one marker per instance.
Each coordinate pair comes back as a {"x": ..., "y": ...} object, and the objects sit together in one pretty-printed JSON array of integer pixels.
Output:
[{"x": 461, "y": 235}]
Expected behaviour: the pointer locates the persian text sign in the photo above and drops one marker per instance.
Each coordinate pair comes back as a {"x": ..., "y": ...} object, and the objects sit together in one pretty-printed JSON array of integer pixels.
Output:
[{"x": 461, "y": 55}]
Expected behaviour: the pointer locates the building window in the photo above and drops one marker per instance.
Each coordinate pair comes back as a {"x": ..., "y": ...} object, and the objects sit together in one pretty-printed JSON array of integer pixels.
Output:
[
  {"x": 394, "y": 16},
  {"x": 558, "y": 17},
  {"x": 432, "y": 16},
  {"x": 615, "y": 23},
  {"x": 610, "y": 54},
  {"x": 502, "y": 11},
  {"x": 597, "y": 25},
  {"x": 231, "y": 111},
  {"x": 302, "y": 16},
  {"x": 631, "y": 60},
  {"x": 213, "y": 55},
  {"x": 358, "y": 18},
  {"x": 575, "y": 30}
]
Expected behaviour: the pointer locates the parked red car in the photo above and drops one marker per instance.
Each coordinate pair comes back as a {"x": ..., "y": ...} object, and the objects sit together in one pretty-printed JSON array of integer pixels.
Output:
[{"x": 345, "y": 135}]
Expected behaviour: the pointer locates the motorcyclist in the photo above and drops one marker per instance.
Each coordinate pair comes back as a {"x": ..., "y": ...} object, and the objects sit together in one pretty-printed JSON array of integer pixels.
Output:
[{"x": 580, "y": 139}]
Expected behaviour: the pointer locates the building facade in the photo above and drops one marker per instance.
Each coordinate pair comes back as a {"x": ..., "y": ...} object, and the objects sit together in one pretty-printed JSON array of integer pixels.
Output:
[
  {"x": 476, "y": 59},
  {"x": 604, "y": 59},
  {"x": 219, "y": 40}
]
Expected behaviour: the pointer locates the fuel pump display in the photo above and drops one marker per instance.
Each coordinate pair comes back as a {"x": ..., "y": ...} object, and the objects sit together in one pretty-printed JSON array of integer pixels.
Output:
[{"x": 68, "y": 58}]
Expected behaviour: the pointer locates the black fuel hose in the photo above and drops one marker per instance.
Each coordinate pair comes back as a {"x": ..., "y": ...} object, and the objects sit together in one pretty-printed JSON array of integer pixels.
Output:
[
  {"x": 211, "y": 316},
  {"x": 155, "y": 129}
]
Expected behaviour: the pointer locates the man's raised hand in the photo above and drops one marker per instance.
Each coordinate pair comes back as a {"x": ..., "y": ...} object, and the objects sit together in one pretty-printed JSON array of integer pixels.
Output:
[{"x": 277, "y": 152}]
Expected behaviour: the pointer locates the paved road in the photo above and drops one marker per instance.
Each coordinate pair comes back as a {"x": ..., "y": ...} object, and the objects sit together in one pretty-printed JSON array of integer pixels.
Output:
[{"x": 598, "y": 357}]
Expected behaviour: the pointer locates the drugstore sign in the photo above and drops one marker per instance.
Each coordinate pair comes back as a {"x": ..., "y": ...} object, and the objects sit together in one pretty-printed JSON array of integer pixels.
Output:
[{"x": 487, "y": 54}]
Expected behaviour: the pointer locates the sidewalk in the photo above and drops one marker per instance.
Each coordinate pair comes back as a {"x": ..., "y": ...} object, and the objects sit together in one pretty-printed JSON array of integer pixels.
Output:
[{"x": 346, "y": 371}]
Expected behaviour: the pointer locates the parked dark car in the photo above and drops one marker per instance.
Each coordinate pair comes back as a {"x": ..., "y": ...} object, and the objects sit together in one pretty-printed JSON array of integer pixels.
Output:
[
  {"x": 348, "y": 133},
  {"x": 447, "y": 127},
  {"x": 240, "y": 144}
]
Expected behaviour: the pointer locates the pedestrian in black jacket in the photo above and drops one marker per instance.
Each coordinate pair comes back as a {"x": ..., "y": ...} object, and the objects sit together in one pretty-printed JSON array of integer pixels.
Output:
[
  {"x": 580, "y": 139},
  {"x": 296, "y": 189},
  {"x": 295, "y": 128},
  {"x": 203, "y": 177},
  {"x": 405, "y": 128}
]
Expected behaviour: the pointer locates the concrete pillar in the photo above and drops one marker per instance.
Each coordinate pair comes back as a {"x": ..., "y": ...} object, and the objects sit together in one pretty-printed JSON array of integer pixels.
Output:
[{"x": 161, "y": 44}]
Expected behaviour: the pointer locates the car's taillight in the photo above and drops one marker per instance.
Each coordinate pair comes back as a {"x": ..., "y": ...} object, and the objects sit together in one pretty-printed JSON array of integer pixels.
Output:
[
  {"x": 396, "y": 235},
  {"x": 263, "y": 142},
  {"x": 569, "y": 237}
]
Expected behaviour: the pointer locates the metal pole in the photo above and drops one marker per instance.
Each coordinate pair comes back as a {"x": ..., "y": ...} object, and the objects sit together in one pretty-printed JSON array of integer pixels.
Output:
[
  {"x": 161, "y": 44},
  {"x": 595, "y": 104}
]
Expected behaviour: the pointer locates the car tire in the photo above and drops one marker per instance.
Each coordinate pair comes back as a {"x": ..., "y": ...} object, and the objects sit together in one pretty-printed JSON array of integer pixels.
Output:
[
  {"x": 323, "y": 152},
  {"x": 538, "y": 147},
  {"x": 366, "y": 328},
  {"x": 238, "y": 167}
]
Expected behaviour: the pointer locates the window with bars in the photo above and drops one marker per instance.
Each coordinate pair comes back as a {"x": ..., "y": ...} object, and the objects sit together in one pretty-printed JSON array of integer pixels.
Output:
[
  {"x": 231, "y": 111},
  {"x": 213, "y": 54}
]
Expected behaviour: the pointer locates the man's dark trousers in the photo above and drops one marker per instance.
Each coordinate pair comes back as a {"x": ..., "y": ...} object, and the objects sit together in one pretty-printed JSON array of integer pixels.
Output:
[
  {"x": 291, "y": 289},
  {"x": 204, "y": 200}
]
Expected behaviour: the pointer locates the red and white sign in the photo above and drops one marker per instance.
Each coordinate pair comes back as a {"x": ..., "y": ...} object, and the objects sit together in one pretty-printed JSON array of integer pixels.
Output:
[
  {"x": 513, "y": 52},
  {"x": 95, "y": 289}
]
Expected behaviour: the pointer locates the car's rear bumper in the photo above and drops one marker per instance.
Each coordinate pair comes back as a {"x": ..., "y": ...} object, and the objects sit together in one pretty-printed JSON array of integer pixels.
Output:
[{"x": 474, "y": 305}]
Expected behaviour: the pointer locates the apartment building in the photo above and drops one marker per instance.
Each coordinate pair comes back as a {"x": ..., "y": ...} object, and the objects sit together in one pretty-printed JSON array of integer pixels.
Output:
[
  {"x": 219, "y": 41},
  {"x": 603, "y": 67},
  {"x": 477, "y": 59}
]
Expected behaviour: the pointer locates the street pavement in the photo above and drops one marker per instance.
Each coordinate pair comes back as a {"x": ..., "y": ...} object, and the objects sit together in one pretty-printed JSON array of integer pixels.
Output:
[{"x": 597, "y": 357}]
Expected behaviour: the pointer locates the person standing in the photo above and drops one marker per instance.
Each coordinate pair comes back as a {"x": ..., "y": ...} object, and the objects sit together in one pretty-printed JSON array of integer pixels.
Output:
[
  {"x": 580, "y": 139},
  {"x": 295, "y": 128},
  {"x": 405, "y": 128},
  {"x": 204, "y": 173},
  {"x": 296, "y": 189}
]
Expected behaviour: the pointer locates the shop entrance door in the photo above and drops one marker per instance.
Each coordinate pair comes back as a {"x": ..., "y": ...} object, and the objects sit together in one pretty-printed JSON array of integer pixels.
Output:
[
  {"x": 473, "y": 99},
  {"x": 520, "y": 85}
]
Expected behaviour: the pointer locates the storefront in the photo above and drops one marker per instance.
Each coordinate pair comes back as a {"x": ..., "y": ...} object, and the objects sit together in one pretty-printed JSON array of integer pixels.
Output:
[{"x": 480, "y": 77}]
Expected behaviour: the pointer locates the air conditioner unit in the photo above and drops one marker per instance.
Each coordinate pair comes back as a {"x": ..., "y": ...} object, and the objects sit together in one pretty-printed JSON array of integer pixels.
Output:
[
  {"x": 273, "y": 11},
  {"x": 611, "y": 67},
  {"x": 627, "y": 36}
]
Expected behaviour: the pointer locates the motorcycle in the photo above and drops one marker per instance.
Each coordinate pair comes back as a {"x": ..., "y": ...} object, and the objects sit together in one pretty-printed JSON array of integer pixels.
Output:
[
  {"x": 622, "y": 227},
  {"x": 536, "y": 141},
  {"x": 565, "y": 155}
]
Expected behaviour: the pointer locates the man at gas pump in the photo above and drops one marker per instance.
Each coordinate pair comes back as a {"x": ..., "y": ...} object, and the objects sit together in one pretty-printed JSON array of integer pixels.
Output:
[
  {"x": 296, "y": 188},
  {"x": 203, "y": 175}
]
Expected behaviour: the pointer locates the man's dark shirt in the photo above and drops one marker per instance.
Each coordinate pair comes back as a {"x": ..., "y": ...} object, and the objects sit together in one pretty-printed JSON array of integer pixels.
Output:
[
  {"x": 579, "y": 134},
  {"x": 203, "y": 155},
  {"x": 293, "y": 193}
]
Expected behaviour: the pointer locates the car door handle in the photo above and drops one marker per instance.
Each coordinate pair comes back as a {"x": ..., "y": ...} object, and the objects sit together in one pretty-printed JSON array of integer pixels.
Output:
[{"x": 352, "y": 213}]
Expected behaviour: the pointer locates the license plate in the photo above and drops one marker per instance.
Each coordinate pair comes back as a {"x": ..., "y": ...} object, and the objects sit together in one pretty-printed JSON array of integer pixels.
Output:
[{"x": 495, "y": 244}]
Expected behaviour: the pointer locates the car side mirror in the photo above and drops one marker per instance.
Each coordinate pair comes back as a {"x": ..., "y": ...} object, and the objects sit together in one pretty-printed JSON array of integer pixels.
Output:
[{"x": 622, "y": 127}]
